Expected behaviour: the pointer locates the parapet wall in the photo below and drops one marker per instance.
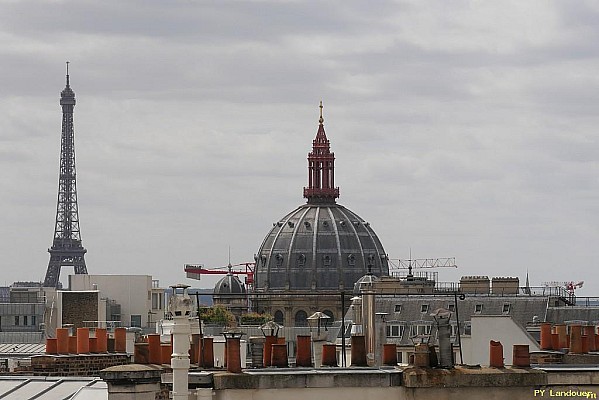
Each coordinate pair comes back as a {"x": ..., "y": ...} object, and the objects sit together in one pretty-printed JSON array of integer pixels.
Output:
[{"x": 460, "y": 383}]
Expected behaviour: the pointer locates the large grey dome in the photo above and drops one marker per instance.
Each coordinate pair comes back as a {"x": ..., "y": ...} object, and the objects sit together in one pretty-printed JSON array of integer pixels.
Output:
[{"x": 318, "y": 247}]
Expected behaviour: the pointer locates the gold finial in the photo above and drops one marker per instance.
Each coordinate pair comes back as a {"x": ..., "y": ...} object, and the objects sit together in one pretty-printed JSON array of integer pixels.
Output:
[{"x": 321, "y": 120}]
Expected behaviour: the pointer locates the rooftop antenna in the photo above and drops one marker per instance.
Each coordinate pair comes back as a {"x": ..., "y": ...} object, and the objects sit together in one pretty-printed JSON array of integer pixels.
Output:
[
  {"x": 68, "y": 62},
  {"x": 229, "y": 265}
]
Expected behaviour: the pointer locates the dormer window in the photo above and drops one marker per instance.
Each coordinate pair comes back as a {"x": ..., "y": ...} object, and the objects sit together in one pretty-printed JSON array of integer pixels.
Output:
[
  {"x": 467, "y": 328},
  {"x": 395, "y": 330},
  {"x": 279, "y": 259},
  {"x": 351, "y": 260},
  {"x": 420, "y": 328},
  {"x": 301, "y": 260}
]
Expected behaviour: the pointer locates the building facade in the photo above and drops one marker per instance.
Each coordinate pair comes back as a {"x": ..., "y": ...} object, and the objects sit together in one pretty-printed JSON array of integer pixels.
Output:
[{"x": 131, "y": 300}]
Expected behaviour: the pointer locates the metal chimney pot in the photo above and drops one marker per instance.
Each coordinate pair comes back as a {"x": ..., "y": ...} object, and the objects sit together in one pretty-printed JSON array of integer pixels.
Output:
[{"x": 442, "y": 317}]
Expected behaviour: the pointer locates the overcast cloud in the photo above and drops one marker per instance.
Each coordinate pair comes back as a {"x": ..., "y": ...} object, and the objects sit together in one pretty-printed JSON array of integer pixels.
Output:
[{"x": 462, "y": 129}]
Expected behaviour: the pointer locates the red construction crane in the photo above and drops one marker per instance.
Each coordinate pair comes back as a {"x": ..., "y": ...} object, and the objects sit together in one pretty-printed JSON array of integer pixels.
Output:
[
  {"x": 195, "y": 271},
  {"x": 570, "y": 286}
]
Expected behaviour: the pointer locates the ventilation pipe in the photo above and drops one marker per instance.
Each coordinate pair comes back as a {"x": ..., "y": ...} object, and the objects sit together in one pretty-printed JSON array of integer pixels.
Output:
[
  {"x": 120, "y": 340},
  {"x": 366, "y": 287},
  {"x": 495, "y": 354},
  {"x": 329, "y": 355},
  {"x": 101, "y": 336},
  {"x": 368, "y": 322},
  {"x": 576, "y": 339},
  {"x": 442, "y": 317},
  {"x": 62, "y": 335},
  {"x": 546, "y": 336},
  {"x": 358, "y": 351},
  {"x": 270, "y": 330},
  {"x": 520, "y": 355},
  {"x": 589, "y": 332},
  {"x": 233, "y": 350},
  {"x": 155, "y": 356},
  {"x": 356, "y": 307},
  {"x": 278, "y": 356},
  {"x": 561, "y": 331},
  {"x": 93, "y": 344},
  {"x": 82, "y": 340},
  {"x": 267, "y": 353},
  {"x": 381, "y": 337},
  {"x": 318, "y": 329},
  {"x": 303, "y": 357},
  {"x": 72, "y": 344},
  {"x": 180, "y": 306},
  {"x": 195, "y": 348},
  {"x": 141, "y": 353},
  {"x": 206, "y": 357},
  {"x": 51, "y": 346},
  {"x": 389, "y": 354}
]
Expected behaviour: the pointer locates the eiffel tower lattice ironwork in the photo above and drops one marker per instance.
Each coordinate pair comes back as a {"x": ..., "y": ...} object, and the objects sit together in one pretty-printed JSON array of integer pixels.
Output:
[{"x": 66, "y": 250}]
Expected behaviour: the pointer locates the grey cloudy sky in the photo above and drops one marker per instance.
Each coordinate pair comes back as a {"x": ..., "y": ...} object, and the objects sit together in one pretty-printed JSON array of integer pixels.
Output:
[{"x": 462, "y": 129}]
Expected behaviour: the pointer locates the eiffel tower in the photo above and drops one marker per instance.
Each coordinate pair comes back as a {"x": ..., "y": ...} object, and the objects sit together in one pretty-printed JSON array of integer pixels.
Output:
[{"x": 66, "y": 250}]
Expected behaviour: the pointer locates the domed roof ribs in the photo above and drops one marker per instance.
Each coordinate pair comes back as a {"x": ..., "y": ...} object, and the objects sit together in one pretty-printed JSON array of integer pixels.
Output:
[
  {"x": 353, "y": 228},
  {"x": 339, "y": 256},
  {"x": 274, "y": 242},
  {"x": 378, "y": 247},
  {"x": 292, "y": 241},
  {"x": 314, "y": 283},
  {"x": 321, "y": 169}
]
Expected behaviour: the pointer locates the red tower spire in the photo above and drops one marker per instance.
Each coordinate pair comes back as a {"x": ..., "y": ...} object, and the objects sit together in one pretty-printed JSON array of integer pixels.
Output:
[{"x": 321, "y": 169}]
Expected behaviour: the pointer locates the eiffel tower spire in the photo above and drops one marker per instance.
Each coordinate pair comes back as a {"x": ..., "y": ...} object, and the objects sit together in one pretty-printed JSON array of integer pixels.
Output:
[{"x": 66, "y": 250}]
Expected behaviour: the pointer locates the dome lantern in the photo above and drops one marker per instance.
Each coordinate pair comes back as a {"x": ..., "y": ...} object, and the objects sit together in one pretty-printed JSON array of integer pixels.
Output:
[{"x": 321, "y": 169}]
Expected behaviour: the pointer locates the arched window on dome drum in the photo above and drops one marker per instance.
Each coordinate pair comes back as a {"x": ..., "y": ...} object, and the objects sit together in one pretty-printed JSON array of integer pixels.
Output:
[
  {"x": 279, "y": 317},
  {"x": 301, "y": 318}
]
